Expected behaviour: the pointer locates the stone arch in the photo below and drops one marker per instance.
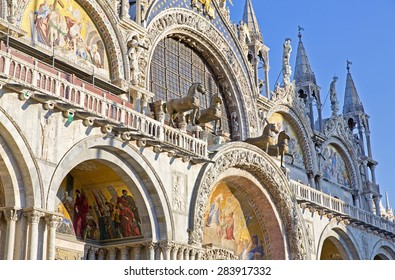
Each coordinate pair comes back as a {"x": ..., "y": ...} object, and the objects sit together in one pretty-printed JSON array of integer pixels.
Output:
[
  {"x": 384, "y": 249},
  {"x": 20, "y": 172},
  {"x": 302, "y": 131},
  {"x": 252, "y": 160},
  {"x": 105, "y": 21},
  {"x": 205, "y": 38},
  {"x": 131, "y": 166},
  {"x": 343, "y": 240},
  {"x": 348, "y": 157}
]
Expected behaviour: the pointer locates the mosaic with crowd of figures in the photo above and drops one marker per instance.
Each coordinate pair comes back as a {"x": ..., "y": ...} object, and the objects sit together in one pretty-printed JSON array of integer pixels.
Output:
[
  {"x": 230, "y": 223},
  {"x": 334, "y": 167},
  {"x": 99, "y": 212},
  {"x": 64, "y": 27}
]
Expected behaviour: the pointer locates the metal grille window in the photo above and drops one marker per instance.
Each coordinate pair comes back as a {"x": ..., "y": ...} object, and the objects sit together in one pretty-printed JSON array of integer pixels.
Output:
[{"x": 175, "y": 67}]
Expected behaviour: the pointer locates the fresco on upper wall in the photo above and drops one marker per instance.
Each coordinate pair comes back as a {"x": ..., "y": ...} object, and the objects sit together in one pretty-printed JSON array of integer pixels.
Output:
[
  {"x": 231, "y": 224},
  {"x": 98, "y": 213},
  {"x": 294, "y": 147},
  {"x": 65, "y": 25},
  {"x": 334, "y": 167}
]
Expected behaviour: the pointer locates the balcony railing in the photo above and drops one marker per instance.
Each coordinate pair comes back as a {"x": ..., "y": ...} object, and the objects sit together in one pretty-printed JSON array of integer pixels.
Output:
[
  {"x": 337, "y": 207},
  {"x": 68, "y": 93}
]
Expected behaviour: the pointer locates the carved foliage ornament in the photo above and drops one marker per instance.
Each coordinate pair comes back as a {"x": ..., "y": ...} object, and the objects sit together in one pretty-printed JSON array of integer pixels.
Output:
[
  {"x": 184, "y": 21},
  {"x": 268, "y": 174}
]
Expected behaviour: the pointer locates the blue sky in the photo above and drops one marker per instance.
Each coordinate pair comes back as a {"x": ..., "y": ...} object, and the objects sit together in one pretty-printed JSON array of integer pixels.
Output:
[{"x": 336, "y": 31}]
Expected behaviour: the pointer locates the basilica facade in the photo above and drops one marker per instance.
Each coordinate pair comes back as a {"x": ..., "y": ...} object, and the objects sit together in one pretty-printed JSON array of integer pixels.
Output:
[{"x": 149, "y": 129}]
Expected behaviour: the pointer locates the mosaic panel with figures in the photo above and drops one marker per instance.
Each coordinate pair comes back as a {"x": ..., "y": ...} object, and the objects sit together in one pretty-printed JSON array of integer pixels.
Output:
[
  {"x": 334, "y": 167},
  {"x": 294, "y": 146},
  {"x": 230, "y": 223},
  {"x": 64, "y": 27},
  {"x": 101, "y": 212}
]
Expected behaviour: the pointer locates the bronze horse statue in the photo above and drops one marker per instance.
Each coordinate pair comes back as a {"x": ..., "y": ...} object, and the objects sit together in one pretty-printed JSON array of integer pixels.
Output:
[
  {"x": 183, "y": 104},
  {"x": 267, "y": 142},
  {"x": 281, "y": 148},
  {"x": 212, "y": 113},
  {"x": 267, "y": 139}
]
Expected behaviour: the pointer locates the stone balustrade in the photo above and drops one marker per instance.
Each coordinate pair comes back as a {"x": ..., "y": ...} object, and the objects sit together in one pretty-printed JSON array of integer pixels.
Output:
[
  {"x": 311, "y": 197},
  {"x": 55, "y": 89}
]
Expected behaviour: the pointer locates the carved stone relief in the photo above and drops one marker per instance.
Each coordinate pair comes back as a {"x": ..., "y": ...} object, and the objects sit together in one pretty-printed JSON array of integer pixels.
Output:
[{"x": 179, "y": 192}]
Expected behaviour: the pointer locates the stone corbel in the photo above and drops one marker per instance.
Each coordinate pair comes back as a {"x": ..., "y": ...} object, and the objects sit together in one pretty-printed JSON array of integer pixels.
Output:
[
  {"x": 106, "y": 129},
  {"x": 24, "y": 95},
  {"x": 49, "y": 105}
]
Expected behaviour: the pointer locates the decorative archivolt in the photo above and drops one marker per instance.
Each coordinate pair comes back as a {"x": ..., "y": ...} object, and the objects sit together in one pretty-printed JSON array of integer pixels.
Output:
[
  {"x": 257, "y": 163},
  {"x": 348, "y": 157},
  {"x": 336, "y": 126},
  {"x": 218, "y": 254},
  {"x": 186, "y": 22},
  {"x": 302, "y": 132}
]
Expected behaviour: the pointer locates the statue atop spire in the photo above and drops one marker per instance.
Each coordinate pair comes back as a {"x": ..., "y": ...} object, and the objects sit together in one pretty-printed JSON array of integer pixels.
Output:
[
  {"x": 333, "y": 97},
  {"x": 348, "y": 66},
  {"x": 300, "y": 33},
  {"x": 286, "y": 59}
]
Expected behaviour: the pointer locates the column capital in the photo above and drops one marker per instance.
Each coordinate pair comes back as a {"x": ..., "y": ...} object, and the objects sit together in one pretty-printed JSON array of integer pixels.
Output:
[
  {"x": 52, "y": 220},
  {"x": 33, "y": 215},
  {"x": 166, "y": 245},
  {"x": 151, "y": 245},
  {"x": 11, "y": 214}
]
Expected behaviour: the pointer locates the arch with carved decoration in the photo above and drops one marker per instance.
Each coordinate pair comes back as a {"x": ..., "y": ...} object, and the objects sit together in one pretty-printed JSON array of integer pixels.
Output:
[
  {"x": 349, "y": 158},
  {"x": 134, "y": 170},
  {"x": 303, "y": 131},
  {"x": 240, "y": 161},
  {"x": 204, "y": 38}
]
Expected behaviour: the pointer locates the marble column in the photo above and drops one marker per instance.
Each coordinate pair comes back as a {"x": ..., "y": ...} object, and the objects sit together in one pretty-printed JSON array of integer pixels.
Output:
[
  {"x": 33, "y": 217},
  {"x": 11, "y": 216},
  {"x": 137, "y": 252},
  {"x": 166, "y": 249},
  {"x": 174, "y": 252},
  {"x": 52, "y": 222},
  {"x": 192, "y": 254},
  {"x": 92, "y": 253},
  {"x": 186, "y": 254},
  {"x": 111, "y": 254},
  {"x": 101, "y": 254},
  {"x": 151, "y": 250},
  {"x": 376, "y": 200},
  {"x": 124, "y": 253}
]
